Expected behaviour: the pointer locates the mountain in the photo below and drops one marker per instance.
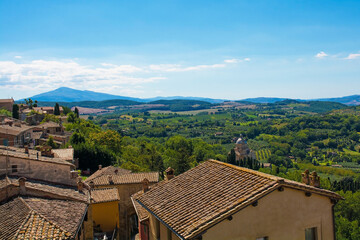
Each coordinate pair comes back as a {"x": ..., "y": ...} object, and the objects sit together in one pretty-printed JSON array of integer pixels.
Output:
[
  {"x": 352, "y": 100},
  {"x": 65, "y": 94}
]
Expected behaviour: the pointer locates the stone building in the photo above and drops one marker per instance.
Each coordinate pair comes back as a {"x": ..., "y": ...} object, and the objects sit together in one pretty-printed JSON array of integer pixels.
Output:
[
  {"x": 217, "y": 200},
  {"x": 15, "y": 133},
  {"x": 7, "y": 104},
  {"x": 242, "y": 150},
  {"x": 31, "y": 164},
  {"x": 126, "y": 183}
]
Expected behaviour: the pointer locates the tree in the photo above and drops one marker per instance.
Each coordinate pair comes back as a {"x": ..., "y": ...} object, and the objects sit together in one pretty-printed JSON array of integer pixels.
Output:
[
  {"x": 57, "y": 109},
  {"x": 232, "y": 157},
  {"x": 50, "y": 142},
  {"x": 77, "y": 112},
  {"x": 15, "y": 112}
]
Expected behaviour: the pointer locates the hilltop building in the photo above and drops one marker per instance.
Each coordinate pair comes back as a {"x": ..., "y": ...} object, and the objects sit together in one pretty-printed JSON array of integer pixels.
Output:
[
  {"x": 216, "y": 200},
  {"x": 242, "y": 150},
  {"x": 7, "y": 104}
]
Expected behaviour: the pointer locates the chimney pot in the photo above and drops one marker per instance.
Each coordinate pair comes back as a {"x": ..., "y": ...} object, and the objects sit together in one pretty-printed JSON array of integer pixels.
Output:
[
  {"x": 145, "y": 184},
  {"x": 169, "y": 173},
  {"x": 110, "y": 179},
  {"x": 80, "y": 184},
  {"x": 305, "y": 177},
  {"x": 100, "y": 167},
  {"x": 314, "y": 180},
  {"x": 22, "y": 181}
]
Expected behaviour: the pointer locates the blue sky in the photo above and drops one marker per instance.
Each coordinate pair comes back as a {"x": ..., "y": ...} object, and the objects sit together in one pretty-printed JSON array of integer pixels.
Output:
[{"x": 218, "y": 49}]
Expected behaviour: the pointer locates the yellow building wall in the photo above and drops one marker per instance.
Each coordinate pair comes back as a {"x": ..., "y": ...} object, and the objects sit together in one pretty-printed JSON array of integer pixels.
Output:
[
  {"x": 106, "y": 214},
  {"x": 279, "y": 215}
]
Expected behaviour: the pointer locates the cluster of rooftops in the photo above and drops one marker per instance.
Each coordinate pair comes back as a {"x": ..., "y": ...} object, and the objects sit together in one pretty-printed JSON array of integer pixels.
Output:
[{"x": 187, "y": 204}]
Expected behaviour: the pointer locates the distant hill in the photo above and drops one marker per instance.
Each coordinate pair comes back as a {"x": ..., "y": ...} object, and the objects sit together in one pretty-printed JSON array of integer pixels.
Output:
[
  {"x": 65, "y": 94},
  {"x": 353, "y": 100}
]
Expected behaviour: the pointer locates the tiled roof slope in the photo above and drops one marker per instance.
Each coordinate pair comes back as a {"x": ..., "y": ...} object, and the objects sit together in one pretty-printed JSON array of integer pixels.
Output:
[
  {"x": 37, "y": 218},
  {"x": 153, "y": 177},
  {"x": 12, "y": 216},
  {"x": 140, "y": 210},
  {"x": 104, "y": 195},
  {"x": 110, "y": 170},
  {"x": 195, "y": 200},
  {"x": 54, "y": 191}
]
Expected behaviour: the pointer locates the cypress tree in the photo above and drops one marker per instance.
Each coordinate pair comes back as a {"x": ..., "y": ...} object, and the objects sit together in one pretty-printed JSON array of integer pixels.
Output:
[
  {"x": 57, "y": 109},
  {"x": 15, "y": 111}
]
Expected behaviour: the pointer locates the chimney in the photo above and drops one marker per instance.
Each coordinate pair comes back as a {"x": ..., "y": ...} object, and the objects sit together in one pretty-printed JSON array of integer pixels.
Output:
[
  {"x": 22, "y": 181},
  {"x": 305, "y": 178},
  {"x": 169, "y": 173},
  {"x": 116, "y": 171},
  {"x": 100, "y": 167},
  {"x": 314, "y": 180},
  {"x": 80, "y": 184},
  {"x": 145, "y": 184},
  {"x": 110, "y": 179},
  {"x": 92, "y": 185}
]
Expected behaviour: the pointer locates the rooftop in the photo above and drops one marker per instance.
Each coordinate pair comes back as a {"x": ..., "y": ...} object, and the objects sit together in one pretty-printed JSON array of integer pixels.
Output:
[
  {"x": 195, "y": 200},
  {"x": 15, "y": 129},
  {"x": 104, "y": 195},
  {"x": 20, "y": 153},
  {"x": 34, "y": 187},
  {"x": 110, "y": 170},
  {"x": 38, "y": 218},
  {"x": 128, "y": 178}
]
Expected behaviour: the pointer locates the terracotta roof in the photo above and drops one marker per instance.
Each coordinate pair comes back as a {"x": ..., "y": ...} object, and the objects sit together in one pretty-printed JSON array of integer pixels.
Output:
[
  {"x": 153, "y": 177},
  {"x": 140, "y": 210},
  {"x": 14, "y": 130},
  {"x": 104, "y": 195},
  {"x": 66, "y": 154},
  {"x": 51, "y": 190},
  {"x": 199, "y": 198},
  {"x": 10, "y": 100},
  {"x": 37, "y": 218},
  {"x": 110, "y": 170},
  {"x": 20, "y": 153},
  {"x": 49, "y": 124}
]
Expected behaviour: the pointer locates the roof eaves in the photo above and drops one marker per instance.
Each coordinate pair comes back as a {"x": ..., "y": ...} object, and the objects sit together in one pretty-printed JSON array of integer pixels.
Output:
[{"x": 158, "y": 218}]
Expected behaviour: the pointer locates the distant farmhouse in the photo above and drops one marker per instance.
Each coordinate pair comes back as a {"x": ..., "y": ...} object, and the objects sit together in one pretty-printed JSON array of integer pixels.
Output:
[{"x": 217, "y": 200}]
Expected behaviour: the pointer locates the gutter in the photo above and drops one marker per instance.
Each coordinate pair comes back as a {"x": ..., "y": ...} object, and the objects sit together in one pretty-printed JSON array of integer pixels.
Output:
[
  {"x": 82, "y": 220},
  {"x": 176, "y": 233}
]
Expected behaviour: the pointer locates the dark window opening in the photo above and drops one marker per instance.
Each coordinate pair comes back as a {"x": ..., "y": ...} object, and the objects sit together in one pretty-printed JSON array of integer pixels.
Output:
[
  {"x": 311, "y": 233},
  {"x": 14, "y": 168}
]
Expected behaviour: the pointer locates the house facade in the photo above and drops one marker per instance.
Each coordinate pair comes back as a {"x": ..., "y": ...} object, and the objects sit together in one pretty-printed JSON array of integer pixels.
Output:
[
  {"x": 7, "y": 104},
  {"x": 216, "y": 200}
]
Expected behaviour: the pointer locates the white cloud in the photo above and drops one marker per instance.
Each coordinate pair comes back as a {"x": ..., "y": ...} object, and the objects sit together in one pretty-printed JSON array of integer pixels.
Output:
[
  {"x": 179, "y": 68},
  {"x": 18, "y": 57},
  {"x": 353, "y": 56},
  {"x": 321, "y": 55},
  {"x": 235, "y": 60}
]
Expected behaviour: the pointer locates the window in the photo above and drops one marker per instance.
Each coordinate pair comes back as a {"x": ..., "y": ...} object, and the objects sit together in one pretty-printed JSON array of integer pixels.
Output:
[
  {"x": 14, "y": 168},
  {"x": 311, "y": 233},
  {"x": 263, "y": 238}
]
